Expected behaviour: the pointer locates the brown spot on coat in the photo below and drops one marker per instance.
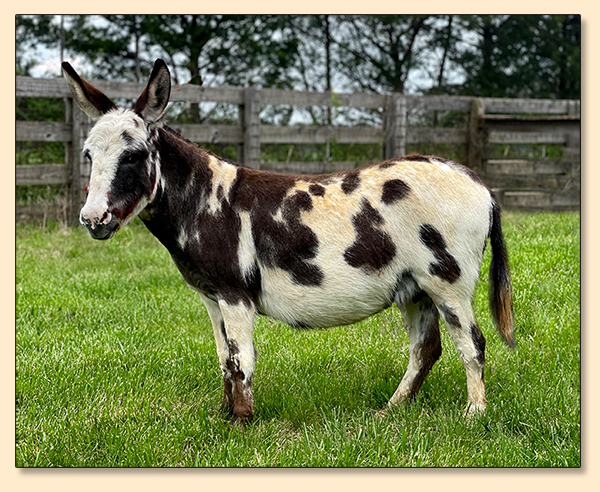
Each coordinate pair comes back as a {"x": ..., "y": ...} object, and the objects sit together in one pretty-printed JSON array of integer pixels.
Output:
[
  {"x": 450, "y": 315},
  {"x": 479, "y": 343},
  {"x": 351, "y": 181},
  {"x": 238, "y": 389},
  {"x": 317, "y": 189},
  {"x": 373, "y": 248},
  {"x": 415, "y": 157},
  {"x": 429, "y": 349},
  {"x": 446, "y": 267},
  {"x": 394, "y": 190},
  {"x": 287, "y": 244},
  {"x": 387, "y": 164}
]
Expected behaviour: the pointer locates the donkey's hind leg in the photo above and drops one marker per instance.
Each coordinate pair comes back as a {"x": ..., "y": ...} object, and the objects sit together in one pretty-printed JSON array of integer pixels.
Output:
[
  {"x": 470, "y": 342},
  {"x": 421, "y": 322}
]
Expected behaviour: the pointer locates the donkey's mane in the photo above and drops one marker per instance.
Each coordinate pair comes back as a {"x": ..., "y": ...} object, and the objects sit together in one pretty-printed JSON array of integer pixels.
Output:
[{"x": 178, "y": 134}]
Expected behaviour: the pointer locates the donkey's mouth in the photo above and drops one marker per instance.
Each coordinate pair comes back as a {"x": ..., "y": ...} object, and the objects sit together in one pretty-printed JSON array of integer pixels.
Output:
[{"x": 103, "y": 230}]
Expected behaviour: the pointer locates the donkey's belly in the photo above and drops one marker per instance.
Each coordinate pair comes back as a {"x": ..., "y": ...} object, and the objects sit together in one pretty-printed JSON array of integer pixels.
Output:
[{"x": 337, "y": 301}]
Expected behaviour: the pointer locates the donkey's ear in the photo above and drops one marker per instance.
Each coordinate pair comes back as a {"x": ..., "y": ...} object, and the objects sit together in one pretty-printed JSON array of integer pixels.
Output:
[
  {"x": 153, "y": 101},
  {"x": 92, "y": 101}
]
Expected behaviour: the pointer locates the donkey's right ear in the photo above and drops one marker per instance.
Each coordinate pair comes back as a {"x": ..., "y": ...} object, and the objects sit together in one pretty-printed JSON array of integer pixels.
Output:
[{"x": 92, "y": 101}]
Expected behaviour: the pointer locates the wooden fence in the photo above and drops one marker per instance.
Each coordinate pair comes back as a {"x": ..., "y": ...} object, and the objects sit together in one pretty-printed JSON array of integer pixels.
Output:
[{"x": 492, "y": 128}]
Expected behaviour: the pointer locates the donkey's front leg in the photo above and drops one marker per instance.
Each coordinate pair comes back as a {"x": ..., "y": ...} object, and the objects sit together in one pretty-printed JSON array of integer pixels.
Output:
[
  {"x": 237, "y": 329},
  {"x": 216, "y": 318}
]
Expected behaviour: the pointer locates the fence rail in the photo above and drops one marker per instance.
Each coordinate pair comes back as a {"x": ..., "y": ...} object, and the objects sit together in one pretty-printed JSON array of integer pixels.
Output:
[{"x": 541, "y": 182}]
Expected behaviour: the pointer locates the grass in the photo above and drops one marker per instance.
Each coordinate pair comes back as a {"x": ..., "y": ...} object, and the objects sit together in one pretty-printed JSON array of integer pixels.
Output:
[{"x": 116, "y": 366}]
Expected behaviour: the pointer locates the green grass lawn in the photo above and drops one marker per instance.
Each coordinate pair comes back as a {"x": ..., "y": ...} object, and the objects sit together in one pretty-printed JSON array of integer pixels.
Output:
[{"x": 116, "y": 366}]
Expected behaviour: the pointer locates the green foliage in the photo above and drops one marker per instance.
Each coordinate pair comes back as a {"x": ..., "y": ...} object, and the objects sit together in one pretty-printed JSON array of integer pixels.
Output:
[
  {"x": 362, "y": 154},
  {"x": 535, "y": 56},
  {"x": 116, "y": 366},
  {"x": 377, "y": 52}
]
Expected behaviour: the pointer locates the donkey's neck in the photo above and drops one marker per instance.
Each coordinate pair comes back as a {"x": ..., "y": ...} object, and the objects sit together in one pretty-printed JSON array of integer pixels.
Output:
[
  {"x": 191, "y": 178},
  {"x": 184, "y": 165}
]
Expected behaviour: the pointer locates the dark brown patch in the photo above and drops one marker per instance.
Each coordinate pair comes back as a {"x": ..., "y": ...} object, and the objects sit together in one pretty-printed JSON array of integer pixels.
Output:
[
  {"x": 415, "y": 157},
  {"x": 373, "y": 248},
  {"x": 394, "y": 190},
  {"x": 227, "y": 401},
  {"x": 387, "y": 164},
  {"x": 127, "y": 138},
  {"x": 446, "y": 267},
  {"x": 479, "y": 343},
  {"x": 405, "y": 289},
  {"x": 290, "y": 244},
  {"x": 351, "y": 181},
  {"x": 450, "y": 315},
  {"x": 241, "y": 387},
  {"x": 429, "y": 350},
  {"x": 132, "y": 181},
  {"x": 256, "y": 189},
  {"x": 317, "y": 189},
  {"x": 243, "y": 402}
]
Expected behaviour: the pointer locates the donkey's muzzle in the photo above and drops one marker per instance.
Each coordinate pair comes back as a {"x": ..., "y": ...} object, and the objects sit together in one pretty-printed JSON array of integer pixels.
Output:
[{"x": 101, "y": 228}]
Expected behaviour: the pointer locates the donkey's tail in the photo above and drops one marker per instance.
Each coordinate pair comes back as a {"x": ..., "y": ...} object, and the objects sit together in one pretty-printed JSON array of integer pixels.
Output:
[{"x": 501, "y": 300}]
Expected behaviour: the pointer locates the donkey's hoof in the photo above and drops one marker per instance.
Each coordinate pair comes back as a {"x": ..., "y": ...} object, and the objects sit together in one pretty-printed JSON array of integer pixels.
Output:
[{"x": 474, "y": 410}]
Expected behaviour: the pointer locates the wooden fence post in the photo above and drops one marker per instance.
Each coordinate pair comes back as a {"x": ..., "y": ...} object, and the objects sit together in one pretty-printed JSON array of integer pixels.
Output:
[
  {"x": 251, "y": 152},
  {"x": 79, "y": 167},
  {"x": 476, "y": 138},
  {"x": 69, "y": 159},
  {"x": 574, "y": 137},
  {"x": 395, "y": 126}
]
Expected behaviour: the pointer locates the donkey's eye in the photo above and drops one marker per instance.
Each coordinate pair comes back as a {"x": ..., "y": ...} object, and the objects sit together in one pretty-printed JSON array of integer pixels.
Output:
[{"x": 133, "y": 158}]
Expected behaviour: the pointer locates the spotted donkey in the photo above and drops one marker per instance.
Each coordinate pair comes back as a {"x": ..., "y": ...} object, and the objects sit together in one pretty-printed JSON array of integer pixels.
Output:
[{"x": 313, "y": 251}]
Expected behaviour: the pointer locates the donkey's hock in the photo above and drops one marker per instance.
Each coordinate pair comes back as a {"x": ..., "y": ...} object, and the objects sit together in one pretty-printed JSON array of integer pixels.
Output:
[{"x": 312, "y": 251}]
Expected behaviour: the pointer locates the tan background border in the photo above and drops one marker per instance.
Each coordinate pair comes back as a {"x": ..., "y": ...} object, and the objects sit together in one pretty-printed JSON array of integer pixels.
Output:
[{"x": 586, "y": 478}]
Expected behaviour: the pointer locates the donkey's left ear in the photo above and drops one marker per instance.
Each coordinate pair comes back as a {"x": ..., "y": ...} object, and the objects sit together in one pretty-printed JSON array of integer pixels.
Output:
[{"x": 153, "y": 101}]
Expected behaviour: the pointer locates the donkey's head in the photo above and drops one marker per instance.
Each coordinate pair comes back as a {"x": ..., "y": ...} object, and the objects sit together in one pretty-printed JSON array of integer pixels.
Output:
[{"x": 121, "y": 149}]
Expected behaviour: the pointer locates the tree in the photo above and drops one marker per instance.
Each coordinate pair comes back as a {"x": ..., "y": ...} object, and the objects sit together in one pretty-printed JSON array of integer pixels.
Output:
[
  {"x": 522, "y": 56},
  {"x": 31, "y": 31},
  {"x": 315, "y": 62},
  {"x": 114, "y": 45},
  {"x": 377, "y": 52}
]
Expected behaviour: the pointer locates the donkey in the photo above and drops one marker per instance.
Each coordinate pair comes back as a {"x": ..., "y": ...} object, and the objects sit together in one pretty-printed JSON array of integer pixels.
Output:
[{"x": 313, "y": 251}]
